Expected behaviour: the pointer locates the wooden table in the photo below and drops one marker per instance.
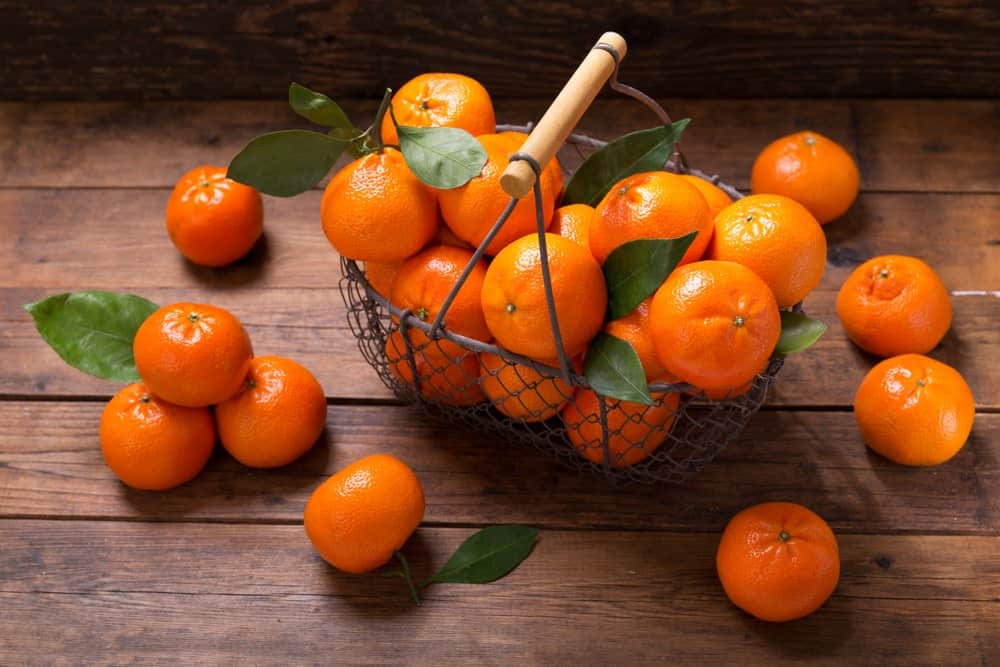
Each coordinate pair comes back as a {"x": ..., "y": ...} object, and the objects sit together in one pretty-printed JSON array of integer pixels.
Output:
[{"x": 220, "y": 569}]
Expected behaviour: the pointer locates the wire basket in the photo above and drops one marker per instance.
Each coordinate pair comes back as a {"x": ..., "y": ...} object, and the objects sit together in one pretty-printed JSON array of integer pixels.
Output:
[{"x": 549, "y": 408}]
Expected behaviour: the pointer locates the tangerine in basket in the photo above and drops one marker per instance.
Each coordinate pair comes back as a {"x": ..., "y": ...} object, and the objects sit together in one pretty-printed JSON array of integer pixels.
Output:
[
  {"x": 651, "y": 205},
  {"x": 520, "y": 391},
  {"x": 375, "y": 209},
  {"x": 151, "y": 444},
  {"x": 193, "y": 355},
  {"x": 635, "y": 329},
  {"x": 472, "y": 209},
  {"x": 714, "y": 324},
  {"x": 438, "y": 99},
  {"x": 775, "y": 237},
  {"x": 380, "y": 276},
  {"x": 811, "y": 169},
  {"x": 213, "y": 220},
  {"x": 634, "y": 430},
  {"x": 445, "y": 372},
  {"x": 573, "y": 222},
  {"x": 894, "y": 304},
  {"x": 778, "y": 561},
  {"x": 514, "y": 302},
  {"x": 276, "y": 417},
  {"x": 715, "y": 197},
  {"x": 364, "y": 513},
  {"x": 553, "y": 167},
  {"x": 914, "y": 410}
]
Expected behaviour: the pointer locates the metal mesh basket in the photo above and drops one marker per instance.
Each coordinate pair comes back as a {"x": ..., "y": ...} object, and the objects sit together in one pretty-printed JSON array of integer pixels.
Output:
[{"x": 549, "y": 408}]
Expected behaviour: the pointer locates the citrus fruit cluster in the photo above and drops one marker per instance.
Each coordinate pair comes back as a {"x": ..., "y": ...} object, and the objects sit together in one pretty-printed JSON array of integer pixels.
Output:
[
  {"x": 199, "y": 380},
  {"x": 713, "y": 324}
]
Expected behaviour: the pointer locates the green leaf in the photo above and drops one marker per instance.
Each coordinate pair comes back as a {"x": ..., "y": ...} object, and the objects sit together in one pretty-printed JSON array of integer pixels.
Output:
[
  {"x": 317, "y": 107},
  {"x": 636, "y": 269},
  {"x": 636, "y": 152},
  {"x": 487, "y": 556},
  {"x": 93, "y": 331},
  {"x": 353, "y": 137},
  {"x": 798, "y": 332},
  {"x": 613, "y": 369},
  {"x": 441, "y": 157},
  {"x": 286, "y": 163}
]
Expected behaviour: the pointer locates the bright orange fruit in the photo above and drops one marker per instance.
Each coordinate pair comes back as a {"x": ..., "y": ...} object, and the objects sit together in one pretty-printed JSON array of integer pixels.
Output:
[{"x": 439, "y": 99}]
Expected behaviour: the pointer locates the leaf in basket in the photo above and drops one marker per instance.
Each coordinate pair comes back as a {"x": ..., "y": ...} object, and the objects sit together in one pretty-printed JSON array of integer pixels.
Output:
[
  {"x": 487, "y": 556},
  {"x": 644, "y": 150},
  {"x": 441, "y": 157},
  {"x": 798, "y": 332},
  {"x": 613, "y": 369},
  {"x": 286, "y": 163},
  {"x": 636, "y": 269},
  {"x": 93, "y": 331},
  {"x": 317, "y": 107}
]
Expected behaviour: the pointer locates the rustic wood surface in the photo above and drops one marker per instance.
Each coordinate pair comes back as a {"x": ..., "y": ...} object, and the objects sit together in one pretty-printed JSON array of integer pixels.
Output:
[
  {"x": 733, "y": 48},
  {"x": 220, "y": 569}
]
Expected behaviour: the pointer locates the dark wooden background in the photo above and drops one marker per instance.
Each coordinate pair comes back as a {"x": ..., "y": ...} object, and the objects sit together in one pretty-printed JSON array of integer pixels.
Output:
[{"x": 196, "y": 49}]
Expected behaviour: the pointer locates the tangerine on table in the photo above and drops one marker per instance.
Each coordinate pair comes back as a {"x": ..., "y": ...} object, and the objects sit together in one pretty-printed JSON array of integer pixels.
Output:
[
  {"x": 213, "y": 220},
  {"x": 445, "y": 372},
  {"x": 438, "y": 99},
  {"x": 276, "y": 417},
  {"x": 914, "y": 410},
  {"x": 714, "y": 324},
  {"x": 520, "y": 391},
  {"x": 715, "y": 197},
  {"x": 775, "y": 237},
  {"x": 193, "y": 355},
  {"x": 472, "y": 209},
  {"x": 375, "y": 209},
  {"x": 778, "y": 561},
  {"x": 634, "y": 430},
  {"x": 364, "y": 513},
  {"x": 651, "y": 205},
  {"x": 514, "y": 303},
  {"x": 894, "y": 304},
  {"x": 151, "y": 444},
  {"x": 573, "y": 222},
  {"x": 811, "y": 169}
]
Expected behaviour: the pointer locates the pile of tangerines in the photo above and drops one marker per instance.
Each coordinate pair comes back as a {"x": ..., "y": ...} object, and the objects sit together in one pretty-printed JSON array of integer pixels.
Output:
[{"x": 712, "y": 324}]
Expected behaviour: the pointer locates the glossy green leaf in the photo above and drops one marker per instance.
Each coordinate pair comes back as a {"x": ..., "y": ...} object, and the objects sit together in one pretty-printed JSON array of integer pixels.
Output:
[
  {"x": 798, "y": 332},
  {"x": 488, "y": 555},
  {"x": 613, "y": 369},
  {"x": 286, "y": 163},
  {"x": 317, "y": 107},
  {"x": 441, "y": 157},
  {"x": 93, "y": 331},
  {"x": 636, "y": 269},
  {"x": 636, "y": 152}
]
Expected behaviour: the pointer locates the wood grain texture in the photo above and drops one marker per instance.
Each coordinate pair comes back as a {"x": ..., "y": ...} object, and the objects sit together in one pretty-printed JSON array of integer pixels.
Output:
[
  {"x": 158, "y": 50},
  {"x": 904, "y": 145},
  {"x": 128, "y": 592},
  {"x": 50, "y": 466}
]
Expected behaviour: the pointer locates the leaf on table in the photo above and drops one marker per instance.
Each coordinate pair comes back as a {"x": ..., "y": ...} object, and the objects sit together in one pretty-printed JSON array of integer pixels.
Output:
[
  {"x": 286, "y": 163},
  {"x": 613, "y": 369},
  {"x": 633, "y": 153},
  {"x": 93, "y": 331},
  {"x": 317, "y": 107},
  {"x": 441, "y": 157},
  {"x": 487, "y": 556},
  {"x": 798, "y": 332},
  {"x": 636, "y": 269}
]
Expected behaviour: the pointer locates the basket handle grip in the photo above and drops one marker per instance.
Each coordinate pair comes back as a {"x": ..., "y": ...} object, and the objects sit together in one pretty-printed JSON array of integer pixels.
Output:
[{"x": 563, "y": 114}]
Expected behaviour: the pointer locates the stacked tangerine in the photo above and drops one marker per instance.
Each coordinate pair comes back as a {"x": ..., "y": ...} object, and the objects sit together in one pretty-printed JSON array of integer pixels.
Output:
[
  {"x": 159, "y": 433},
  {"x": 713, "y": 324}
]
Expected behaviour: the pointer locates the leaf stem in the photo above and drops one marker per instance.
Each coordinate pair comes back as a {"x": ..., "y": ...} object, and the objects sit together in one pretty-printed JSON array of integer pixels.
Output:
[
  {"x": 376, "y": 127},
  {"x": 406, "y": 575}
]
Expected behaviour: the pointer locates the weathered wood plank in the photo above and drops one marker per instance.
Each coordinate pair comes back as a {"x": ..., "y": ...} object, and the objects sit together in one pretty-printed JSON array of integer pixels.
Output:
[
  {"x": 900, "y": 145},
  {"x": 309, "y": 325},
  {"x": 208, "y": 50},
  {"x": 50, "y": 466},
  {"x": 128, "y": 591}
]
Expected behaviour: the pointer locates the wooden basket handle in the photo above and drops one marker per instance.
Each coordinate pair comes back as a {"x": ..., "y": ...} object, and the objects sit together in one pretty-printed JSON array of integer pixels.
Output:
[{"x": 563, "y": 115}]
